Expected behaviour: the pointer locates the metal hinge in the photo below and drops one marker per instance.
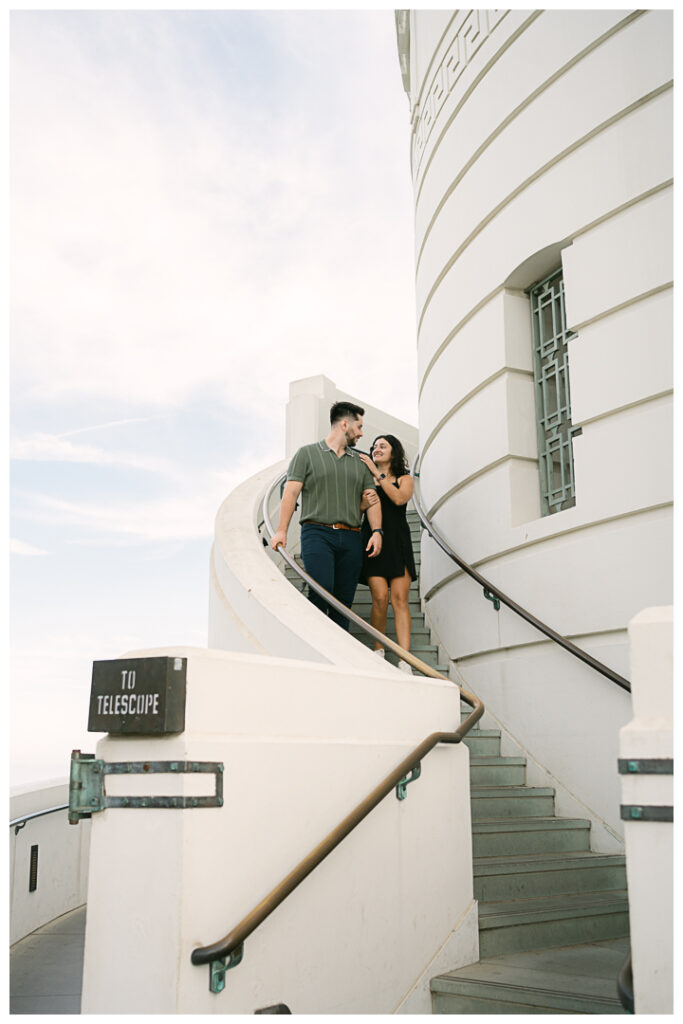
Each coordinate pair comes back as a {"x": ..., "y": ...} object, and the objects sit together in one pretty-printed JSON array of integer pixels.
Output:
[{"x": 86, "y": 784}]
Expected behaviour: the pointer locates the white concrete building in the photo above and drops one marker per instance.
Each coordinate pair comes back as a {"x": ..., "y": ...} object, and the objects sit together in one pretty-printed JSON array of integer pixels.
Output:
[{"x": 542, "y": 165}]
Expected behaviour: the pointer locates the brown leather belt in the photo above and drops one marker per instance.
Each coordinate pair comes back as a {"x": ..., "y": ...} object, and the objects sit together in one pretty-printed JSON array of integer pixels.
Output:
[{"x": 334, "y": 526}]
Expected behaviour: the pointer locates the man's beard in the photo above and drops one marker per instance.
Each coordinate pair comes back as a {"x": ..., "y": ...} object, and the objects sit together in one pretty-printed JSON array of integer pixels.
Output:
[{"x": 350, "y": 441}]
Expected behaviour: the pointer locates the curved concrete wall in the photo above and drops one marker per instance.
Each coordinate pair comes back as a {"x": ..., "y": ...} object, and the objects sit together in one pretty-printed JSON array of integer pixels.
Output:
[
  {"x": 62, "y": 858},
  {"x": 544, "y": 139}
]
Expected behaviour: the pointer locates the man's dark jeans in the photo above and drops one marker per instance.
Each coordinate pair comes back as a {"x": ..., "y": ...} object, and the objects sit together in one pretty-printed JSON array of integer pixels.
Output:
[{"x": 334, "y": 559}]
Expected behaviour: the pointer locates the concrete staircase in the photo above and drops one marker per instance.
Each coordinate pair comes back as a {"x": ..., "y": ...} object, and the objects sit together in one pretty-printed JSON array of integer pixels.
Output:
[
  {"x": 553, "y": 916},
  {"x": 421, "y": 645}
]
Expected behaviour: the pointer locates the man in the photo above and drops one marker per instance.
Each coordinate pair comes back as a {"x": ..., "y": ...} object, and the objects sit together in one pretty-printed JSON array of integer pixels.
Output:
[{"x": 335, "y": 486}]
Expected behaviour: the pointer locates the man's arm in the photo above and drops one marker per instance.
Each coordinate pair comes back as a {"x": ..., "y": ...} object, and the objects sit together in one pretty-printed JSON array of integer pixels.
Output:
[
  {"x": 370, "y": 497},
  {"x": 287, "y": 506},
  {"x": 374, "y": 514}
]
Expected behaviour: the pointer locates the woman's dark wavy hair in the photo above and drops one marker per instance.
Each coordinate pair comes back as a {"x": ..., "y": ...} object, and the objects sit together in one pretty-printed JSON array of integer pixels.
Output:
[{"x": 399, "y": 463}]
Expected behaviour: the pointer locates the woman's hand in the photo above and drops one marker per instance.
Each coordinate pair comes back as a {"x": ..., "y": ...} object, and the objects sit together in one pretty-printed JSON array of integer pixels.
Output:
[{"x": 369, "y": 463}]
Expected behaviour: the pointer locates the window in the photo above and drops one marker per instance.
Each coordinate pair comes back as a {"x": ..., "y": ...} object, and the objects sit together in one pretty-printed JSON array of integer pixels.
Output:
[{"x": 553, "y": 405}]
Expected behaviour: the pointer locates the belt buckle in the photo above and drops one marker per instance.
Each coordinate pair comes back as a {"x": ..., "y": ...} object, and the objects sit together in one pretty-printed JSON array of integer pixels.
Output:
[{"x": 335, "y": 526}]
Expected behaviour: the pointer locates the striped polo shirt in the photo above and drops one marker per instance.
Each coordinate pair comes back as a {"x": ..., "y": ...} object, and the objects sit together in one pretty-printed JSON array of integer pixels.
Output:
[{"x": 332, "y": 485}]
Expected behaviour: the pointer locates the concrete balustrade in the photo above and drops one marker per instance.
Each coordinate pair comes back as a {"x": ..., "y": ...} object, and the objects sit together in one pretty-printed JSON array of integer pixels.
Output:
[
  {"x": 302, "y": 743},
  {"x": 62, "y": 858}
]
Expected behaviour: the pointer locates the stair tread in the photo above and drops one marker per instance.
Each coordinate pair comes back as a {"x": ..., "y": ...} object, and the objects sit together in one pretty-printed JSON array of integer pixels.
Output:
[
  {"x": 485, "y": 792},
  {"x": 495, "y": 759},
  {"x": 511, "y": 863},
  {"x": 527, "y": 824},
  {"x": 564, "y": 977},
  {"x": 543, "y": 907}
]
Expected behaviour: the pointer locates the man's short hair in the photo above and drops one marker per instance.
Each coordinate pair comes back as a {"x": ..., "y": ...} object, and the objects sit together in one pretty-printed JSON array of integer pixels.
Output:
[{"x": 345, "y": 411}]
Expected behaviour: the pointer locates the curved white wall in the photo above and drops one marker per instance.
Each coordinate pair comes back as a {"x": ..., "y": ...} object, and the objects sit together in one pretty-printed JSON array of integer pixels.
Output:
[
  {"x": 62, "y": 858},
  {"x": 544, "y": 139}
]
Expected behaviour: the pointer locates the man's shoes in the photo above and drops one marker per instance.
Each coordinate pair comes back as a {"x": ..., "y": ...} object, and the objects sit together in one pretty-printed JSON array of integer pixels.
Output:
[{"x": 405, "y": 667}]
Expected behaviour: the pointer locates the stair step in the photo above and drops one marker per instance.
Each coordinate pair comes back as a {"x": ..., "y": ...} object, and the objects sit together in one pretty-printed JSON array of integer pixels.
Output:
[
  {"x": 484, "y": 742},
  {"x": 527, "y": 876},
  {"x": 525, "y": 924},
  {"x": 507, "y": 836},
  {"x": 418, "y": 629},
  {"x": 570, "y": 979},
  {"x": 497, "y": 771},
  {"x": 511, "y": 801}
]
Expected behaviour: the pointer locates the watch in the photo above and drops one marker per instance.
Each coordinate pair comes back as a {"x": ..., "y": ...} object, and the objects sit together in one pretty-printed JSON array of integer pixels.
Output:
[
  {"x": 382, "y": 476},
  {"x": 377, "y": 530}
]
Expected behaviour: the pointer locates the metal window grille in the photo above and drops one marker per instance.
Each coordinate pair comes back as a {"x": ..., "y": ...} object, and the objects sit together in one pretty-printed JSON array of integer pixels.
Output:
[{"x": 553, "y": 404}]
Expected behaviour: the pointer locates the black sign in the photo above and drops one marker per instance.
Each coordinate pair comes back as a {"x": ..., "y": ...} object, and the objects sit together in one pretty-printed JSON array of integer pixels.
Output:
[{"x": 143, "y": 696}]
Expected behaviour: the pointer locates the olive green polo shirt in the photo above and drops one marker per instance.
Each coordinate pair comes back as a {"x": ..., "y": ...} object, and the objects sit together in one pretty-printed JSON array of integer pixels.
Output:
[{"x": 332, "y": 485}]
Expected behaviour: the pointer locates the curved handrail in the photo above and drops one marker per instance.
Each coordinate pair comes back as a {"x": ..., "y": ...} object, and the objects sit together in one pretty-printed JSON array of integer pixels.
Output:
[
  {"x": 625, "y": 985},
  {"x": 491, "y": 588},
  {"x": 18, "y": 823},
  {"x": 232, "y": 942}
]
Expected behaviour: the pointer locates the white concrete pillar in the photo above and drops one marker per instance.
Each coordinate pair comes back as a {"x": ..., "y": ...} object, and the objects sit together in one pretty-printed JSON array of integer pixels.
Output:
[{"x": 646, "y": 748}]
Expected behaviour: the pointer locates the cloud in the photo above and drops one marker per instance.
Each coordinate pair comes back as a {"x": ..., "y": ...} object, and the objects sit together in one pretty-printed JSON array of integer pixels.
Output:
[
  {"x": 168, "y": 230},
  {"x": 52, "y": 448},
  {"x": 18, "y": 547},
  {"x": 190, "y": 515}
]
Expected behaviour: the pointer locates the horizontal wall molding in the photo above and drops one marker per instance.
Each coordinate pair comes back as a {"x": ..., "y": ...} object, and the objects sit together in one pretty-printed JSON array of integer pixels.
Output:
[
  {"x": 456, "y": 330},
  {"x": 624, "y": 408},
  {"x": 555, "y": 535},
  {"x": 483, "y": 471},
  {"x": 662, "y": 187},
  {"x": 503, "y": 371},
  {"x": 526, "y": 646},
  {"x": 514, "y": 114},
  {"x": 634, "y": 300},
  {"x": 523, "y": 186},
  {"x": 421, "y": 171}
]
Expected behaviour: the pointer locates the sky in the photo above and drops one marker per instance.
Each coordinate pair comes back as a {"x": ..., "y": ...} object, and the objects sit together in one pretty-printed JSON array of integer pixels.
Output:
[{"x": 204, "y": 206}]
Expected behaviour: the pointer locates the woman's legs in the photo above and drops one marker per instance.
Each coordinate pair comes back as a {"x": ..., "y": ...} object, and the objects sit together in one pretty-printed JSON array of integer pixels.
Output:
[
  {"x": 400, "y": 588},
  {"x": 379, "y": 590}
]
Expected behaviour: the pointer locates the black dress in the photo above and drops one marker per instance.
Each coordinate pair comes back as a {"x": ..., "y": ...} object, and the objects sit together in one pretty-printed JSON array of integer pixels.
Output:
[{"x": 397, "y": 549}]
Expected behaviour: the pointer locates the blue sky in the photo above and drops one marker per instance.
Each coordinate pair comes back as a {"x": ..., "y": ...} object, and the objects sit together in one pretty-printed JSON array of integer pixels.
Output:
[{"x": 204, "y": 207}]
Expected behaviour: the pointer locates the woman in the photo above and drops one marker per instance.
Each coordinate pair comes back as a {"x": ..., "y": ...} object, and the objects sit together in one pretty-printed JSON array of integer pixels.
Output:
[{"x": 390, "y": 573}]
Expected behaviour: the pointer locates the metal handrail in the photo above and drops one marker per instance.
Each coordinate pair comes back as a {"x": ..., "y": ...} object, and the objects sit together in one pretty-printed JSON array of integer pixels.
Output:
[
  {"x": 18, "y": 823},
  {"x": 492, "y": 589},
  {"x": 233, "y": 941}
]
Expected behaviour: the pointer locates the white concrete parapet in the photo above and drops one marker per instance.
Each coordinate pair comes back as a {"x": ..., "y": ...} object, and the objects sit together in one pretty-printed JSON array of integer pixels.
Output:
[
  {"x": 302, "y": 744},
  {"x": 62, "y": 858},
  {"x": 649, "y": 844}
]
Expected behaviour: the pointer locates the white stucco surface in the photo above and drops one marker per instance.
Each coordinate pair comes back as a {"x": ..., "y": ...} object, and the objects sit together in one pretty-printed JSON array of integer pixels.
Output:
[
  {"x": 542, "y": 140},
  {"x": 302, "y": 743},
  {"x": 62, "y": 858}
]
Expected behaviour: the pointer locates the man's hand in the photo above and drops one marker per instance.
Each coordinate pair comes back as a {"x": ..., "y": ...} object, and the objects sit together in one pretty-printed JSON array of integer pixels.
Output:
[
  {"x": 374, "y": 545},
  {"x": 368, "y": 499},
  {"x": 279, "y": 537}
]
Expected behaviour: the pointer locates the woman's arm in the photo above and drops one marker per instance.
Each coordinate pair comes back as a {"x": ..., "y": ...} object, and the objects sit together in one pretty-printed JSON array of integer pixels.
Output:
[{"x": 400, "y": 495}]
